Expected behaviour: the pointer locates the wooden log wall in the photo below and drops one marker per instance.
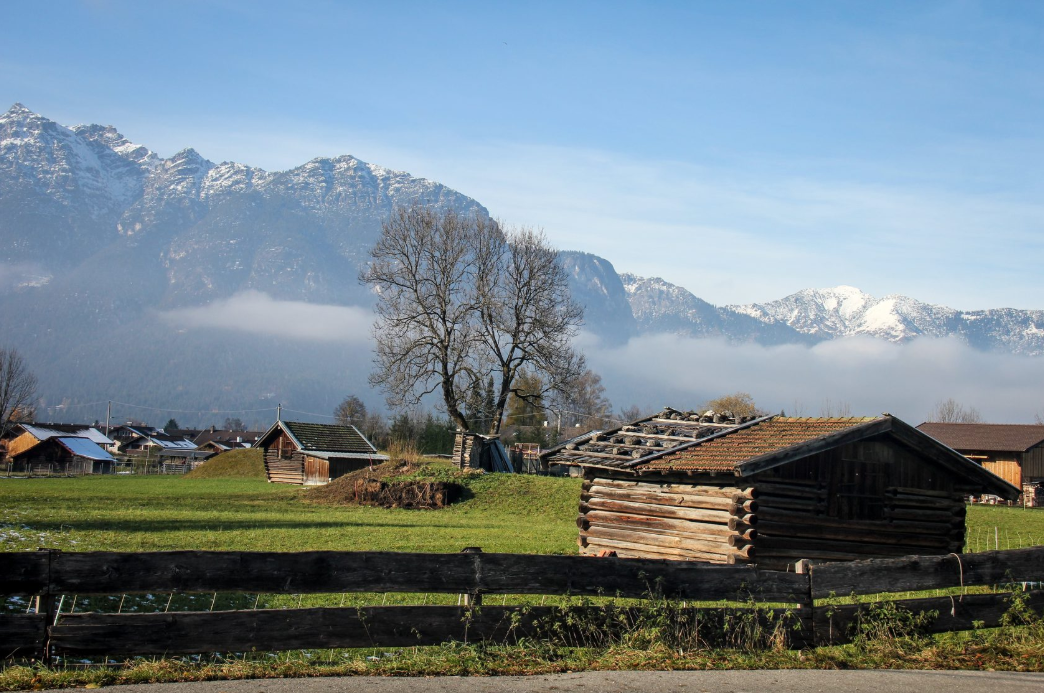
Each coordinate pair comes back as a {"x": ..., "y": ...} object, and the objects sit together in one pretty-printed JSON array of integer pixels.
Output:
[
  {"x": 638, "y": 519},
  {"x": 794, "y": 522},
  {"x": 282, "y": 471}
]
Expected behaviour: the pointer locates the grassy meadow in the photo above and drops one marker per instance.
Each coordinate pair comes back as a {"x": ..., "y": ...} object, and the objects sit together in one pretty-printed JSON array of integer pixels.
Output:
[{"x": 502, "y": 513}]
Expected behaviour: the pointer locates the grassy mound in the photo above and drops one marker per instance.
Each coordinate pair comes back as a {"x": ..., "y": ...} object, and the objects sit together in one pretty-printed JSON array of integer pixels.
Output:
[
  {"x": 395, "y": 484},
  {"x": 245, "y": 463}
]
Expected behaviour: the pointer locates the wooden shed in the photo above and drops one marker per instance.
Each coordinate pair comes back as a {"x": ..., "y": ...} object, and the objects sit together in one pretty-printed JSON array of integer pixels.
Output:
[
  {"x": 773, "y": 490},
  {"x": 1014, "y": 452},
  {"x": 314, "y": 454},
  {"x": 62, "y": 455}
]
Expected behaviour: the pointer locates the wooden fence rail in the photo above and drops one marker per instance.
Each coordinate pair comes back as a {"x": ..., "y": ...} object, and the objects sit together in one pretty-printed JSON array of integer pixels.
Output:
[{"x": 46, "y": 574}]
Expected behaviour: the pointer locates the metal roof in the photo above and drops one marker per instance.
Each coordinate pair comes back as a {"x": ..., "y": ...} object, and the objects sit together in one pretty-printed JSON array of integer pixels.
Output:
[
  {"x": 45, "y": 431},
  {"x": 332, "y": 439},
  {"x": 82, "y": 447}
]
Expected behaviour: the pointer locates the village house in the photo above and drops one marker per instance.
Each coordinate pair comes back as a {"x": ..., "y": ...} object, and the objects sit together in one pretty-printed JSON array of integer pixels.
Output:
[
  {"x": 1014, "y": 452},
  {"x": 216, "y": 440},
  {"x": 772, "y": 490},
  {"x": 313, "y": 454}
]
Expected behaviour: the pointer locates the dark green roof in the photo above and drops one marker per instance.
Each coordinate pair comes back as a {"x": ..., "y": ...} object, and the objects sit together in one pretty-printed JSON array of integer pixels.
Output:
[{"x": 328, "y": 437}]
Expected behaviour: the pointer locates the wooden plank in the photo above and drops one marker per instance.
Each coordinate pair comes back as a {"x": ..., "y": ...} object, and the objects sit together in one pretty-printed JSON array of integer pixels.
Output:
[
  {"x": 675, "y": 499},
  {"x": 663, "y": 526},
  {"x": 914, "y": 573},
  {"x": 729, "y": 492},
  {"x": 332, "y": 572},
  {"x": 837, "y": 624},
  {"x": 904, "y": 526},
  {"x": 24, "y": 572},
  {"x": 22, "y": 634},
  {"x": 285, "y": 629},
  {"x": 698, "y": 514},
  {"x": 880, "y": 536}
]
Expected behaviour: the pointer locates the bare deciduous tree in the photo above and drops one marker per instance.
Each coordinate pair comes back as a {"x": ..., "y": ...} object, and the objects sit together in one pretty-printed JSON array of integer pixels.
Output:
[
  {"x": 351, "y": 411},
  {"x": 832, "y": 408},
  {"x": 583, "y": 405},
  {"x": 952, "y": 411},
  {"x": 528, "y": 319},
  {"x": 17, "y": 386},
  {"x": 460, "y": 300}
]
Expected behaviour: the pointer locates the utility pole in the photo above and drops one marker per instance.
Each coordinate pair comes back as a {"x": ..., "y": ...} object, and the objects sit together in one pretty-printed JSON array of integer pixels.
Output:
[
  {"x": 279, "y": 412},
  {"x": 108, "y": 415}
]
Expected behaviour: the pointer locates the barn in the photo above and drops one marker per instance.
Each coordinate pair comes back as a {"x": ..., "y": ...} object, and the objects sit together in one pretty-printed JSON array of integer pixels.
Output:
[
  {"x": 1014, "y": 452},
  {"x": 772, "y": 490},
  {"x": 314, "y": 454},
  {"x": 62, "y": 455}
]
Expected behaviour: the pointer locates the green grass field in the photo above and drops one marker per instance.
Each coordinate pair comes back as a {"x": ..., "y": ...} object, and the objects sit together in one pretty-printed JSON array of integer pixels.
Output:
[{"x": 503, "y": 513}]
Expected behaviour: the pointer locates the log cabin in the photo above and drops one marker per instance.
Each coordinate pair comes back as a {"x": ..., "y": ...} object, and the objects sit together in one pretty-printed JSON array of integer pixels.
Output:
[
  {"x": 773, "y": 490},
  {"x": 1014, "y": 452},
  {"x": 314, "y": 454}
]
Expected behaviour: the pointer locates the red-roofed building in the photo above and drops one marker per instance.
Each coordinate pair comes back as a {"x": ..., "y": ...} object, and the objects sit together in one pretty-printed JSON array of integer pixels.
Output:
[{"x": 773, "y": 490}]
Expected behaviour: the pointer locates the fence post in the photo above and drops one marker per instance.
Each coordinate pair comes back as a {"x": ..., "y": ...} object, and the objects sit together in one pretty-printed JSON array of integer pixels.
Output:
[
  {"x": 473, "y": 598},
  {"x": 805, "y": 608},
  {"x": 45, "y": 606}
]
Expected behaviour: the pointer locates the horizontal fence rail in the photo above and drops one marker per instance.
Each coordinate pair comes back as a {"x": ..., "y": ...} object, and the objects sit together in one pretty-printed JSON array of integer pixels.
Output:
[{"x": 47, "y": 575}]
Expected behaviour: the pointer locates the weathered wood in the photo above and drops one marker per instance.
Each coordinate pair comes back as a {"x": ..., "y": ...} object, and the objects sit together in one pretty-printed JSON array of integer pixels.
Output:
[
  {"x": 881, "y": 536},
  {"x": 660, "y": 525},
  {"x": 928, "y": 572},
  {"x": 23, "y": 572},
  {"x": 901, "y": 514},
  {"x": 728, "y": 492},
  {"x": 918, "y": 492},
  {"x": 330, "y": 571},
  {"x": 815, "y": 547},
  {"x": 830, "y": 441},
  {"x": 698, "y": 514},
  {"x": 802, "y": 505},
  {"x": 837, "y": 624},
  {"x": 906, "y": 526},
  {"x": 717, "y": 556},
  {"x": 790, "y": 490},
  {"x": 684, "y": 500},
  {"x": 23, "y": 635},
  {"x": 710, "y": 545}
]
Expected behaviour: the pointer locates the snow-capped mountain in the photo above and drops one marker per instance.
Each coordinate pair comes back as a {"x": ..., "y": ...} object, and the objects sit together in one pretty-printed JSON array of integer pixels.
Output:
[
  {"x": 100, "y": 237},
  {"x": 812, "y": 315}
]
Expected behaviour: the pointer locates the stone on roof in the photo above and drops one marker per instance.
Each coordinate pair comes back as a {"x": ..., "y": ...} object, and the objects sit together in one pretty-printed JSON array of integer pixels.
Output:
[{"x": 980, "y": 437}]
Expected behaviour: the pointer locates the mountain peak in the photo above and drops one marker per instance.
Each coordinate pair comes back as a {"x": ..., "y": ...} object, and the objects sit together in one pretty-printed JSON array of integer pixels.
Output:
[{"x": 19, "y": 109}]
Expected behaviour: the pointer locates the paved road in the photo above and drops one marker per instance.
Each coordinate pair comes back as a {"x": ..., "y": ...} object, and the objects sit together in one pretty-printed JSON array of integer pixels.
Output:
[{"x": 792, "y": 681}]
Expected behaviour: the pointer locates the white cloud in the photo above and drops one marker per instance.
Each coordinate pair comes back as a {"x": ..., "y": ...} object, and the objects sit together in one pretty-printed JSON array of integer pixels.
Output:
[
  {"x": 258, "y": 313},
  {"x": 870, "y": 375}
]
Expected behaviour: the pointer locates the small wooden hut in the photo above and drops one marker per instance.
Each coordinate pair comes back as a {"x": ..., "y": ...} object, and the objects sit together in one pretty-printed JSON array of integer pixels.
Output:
[
  {"x": 314, "y": 454},
  {"x": 476, "y": 451},
  {"x": 773, "y": 490}
]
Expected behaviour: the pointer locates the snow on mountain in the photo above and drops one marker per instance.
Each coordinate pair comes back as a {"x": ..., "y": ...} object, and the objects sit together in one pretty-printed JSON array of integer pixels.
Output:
[{"x": 844, "y": 311}]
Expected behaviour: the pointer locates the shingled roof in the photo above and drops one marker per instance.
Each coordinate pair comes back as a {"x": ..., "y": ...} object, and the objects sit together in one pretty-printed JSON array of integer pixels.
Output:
[
  {"x": 734, "y": 448},
  {"x": 980, "y": 437},
  {"x": 324, "y": 440}
]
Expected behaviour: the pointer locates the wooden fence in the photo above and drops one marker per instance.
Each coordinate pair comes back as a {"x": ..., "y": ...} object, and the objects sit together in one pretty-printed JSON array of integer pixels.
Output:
[{"x": 47, "y": 574}]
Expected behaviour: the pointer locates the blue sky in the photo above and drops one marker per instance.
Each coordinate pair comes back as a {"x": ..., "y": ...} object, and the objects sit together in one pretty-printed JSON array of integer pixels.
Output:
[{"x": 741, "y": 149}]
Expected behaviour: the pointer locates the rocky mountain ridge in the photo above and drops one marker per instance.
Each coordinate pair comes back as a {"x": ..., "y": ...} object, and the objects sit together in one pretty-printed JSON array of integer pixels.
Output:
[{"x": 100, "y": 236}]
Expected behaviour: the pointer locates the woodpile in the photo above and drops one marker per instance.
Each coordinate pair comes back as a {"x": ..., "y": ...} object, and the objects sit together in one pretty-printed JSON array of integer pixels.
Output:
[{"x": 411, "y": 495}]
